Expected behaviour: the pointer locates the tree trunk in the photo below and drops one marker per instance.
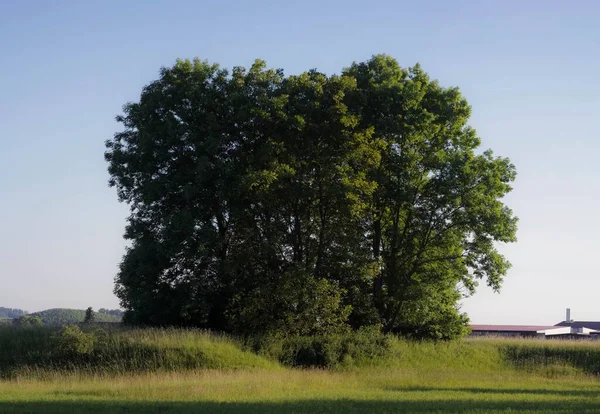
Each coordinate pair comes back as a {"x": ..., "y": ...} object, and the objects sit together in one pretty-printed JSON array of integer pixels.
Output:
[{"x": 377, "y": 256}]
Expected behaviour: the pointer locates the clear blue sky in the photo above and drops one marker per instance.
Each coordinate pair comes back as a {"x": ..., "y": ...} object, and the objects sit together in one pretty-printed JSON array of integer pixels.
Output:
[{"x": 529, "y": 69}]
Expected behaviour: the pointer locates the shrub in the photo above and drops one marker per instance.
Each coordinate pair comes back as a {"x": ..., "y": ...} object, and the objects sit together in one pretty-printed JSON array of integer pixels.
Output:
[
  {"x": 324, "y": 350},
  {"x": 72, "y": 342}
]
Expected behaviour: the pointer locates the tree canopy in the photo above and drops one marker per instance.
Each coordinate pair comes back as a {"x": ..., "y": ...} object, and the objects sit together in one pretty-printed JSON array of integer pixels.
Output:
[
  {"x": 307, "y": 203},
  {"x": 11, "y": 313},
  {"x": 89, "y": 315},
  {"x": 28, "y": 321}
]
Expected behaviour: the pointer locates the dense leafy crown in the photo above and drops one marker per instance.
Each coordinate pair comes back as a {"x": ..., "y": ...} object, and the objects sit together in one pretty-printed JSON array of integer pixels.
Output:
[{"x": 306, "y": 204}]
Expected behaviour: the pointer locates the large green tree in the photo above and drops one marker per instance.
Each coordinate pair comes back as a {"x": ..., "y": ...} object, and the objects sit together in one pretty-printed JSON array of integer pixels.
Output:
[{"x": 306, "y": 204}]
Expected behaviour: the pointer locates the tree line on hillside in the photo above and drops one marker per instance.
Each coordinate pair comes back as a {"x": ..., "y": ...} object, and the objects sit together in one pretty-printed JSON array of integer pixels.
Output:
[
  {"x": 60, "y": 316},
  {"x": 306, "y": 204},
  {"x": 113, "y": 312},
  {"x": 10, "y": 313}
]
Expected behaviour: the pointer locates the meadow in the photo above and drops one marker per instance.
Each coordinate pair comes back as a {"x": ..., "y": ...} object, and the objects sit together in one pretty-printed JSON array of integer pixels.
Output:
[{"x": 173, "y": 371}]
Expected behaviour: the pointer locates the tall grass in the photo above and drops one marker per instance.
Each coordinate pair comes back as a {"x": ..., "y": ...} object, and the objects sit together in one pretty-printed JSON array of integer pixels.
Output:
[
  {"x": 556, "y": 357},
  {"x": 171, "y": 370},
  {"x": 41, "y": 351},
  {"x": 37, "y": 350}
]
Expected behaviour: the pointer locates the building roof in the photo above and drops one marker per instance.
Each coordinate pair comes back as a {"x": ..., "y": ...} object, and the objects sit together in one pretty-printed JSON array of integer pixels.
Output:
[
  {"x": 595, "y": 325},
  {"x": 568, "y": 330},
  {"x": 510, "y": 328}
]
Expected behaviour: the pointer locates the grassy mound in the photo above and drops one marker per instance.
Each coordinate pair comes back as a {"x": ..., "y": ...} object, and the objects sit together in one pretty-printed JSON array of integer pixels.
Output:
[
  {"x": 548, "y": 358},
  {"x": 39, "y": 350},
  {"x": 122, "y": 350},
  {"x": 164, "y": 371},
  {"x": 554, "y": 357}
]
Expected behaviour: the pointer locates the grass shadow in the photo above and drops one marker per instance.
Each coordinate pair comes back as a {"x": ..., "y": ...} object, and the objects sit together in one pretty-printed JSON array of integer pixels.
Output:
[
  {"x": 313, "y": 406},
  {"x": 507, "y": 391},
  {"x": 533, "y": 357}
]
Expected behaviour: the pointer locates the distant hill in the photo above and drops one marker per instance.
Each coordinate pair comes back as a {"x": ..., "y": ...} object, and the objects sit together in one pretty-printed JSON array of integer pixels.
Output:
[
  {"x": 11, "y": 313},
  {"x": 60, "y": 316}
]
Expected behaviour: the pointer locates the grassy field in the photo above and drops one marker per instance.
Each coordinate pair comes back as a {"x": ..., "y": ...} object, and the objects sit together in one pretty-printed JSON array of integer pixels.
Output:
[{"x": 470, "y": 376}]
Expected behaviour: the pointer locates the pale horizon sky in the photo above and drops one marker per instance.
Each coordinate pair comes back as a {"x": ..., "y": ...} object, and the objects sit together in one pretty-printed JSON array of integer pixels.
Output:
[{"x": 529, "y": 70}]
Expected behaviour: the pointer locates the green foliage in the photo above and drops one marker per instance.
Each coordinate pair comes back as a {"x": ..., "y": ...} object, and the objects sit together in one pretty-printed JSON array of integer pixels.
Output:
[
  {"x": 59, "y": 316},
  {"x": 71, "y": 342},
  {"x": 49, "y": 351},
  {"x": 28, "y": 321},
  {"x": 254, "y": 196},
  {"x": 118, "y": 350},
  {"x": 11, "y": 313},
  {"x": 89, "y": 315},
  {"x": 296, "y": 305},
  {"x": 324, "y": 351},
  {"x": 24, "y": 347}
]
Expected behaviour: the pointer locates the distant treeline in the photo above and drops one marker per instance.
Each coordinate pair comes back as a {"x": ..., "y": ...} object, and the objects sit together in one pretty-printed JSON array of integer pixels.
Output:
[
  {"x": 11, "y": 313},
  {"x": 60, "y": 316},
  {"x": 114, "y": 312}
]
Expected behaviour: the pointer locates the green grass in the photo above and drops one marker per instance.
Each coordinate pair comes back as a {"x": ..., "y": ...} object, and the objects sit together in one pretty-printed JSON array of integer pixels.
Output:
[
  {"x": 470, "y": 376},
  {"x": 26, "y": 352}
]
